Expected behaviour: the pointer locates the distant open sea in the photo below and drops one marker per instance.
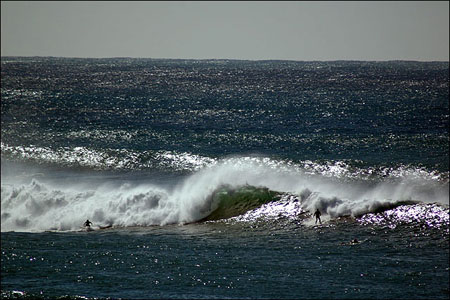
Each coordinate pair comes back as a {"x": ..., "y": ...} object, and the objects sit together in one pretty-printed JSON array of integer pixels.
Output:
[{"x": 201, "y": 178}]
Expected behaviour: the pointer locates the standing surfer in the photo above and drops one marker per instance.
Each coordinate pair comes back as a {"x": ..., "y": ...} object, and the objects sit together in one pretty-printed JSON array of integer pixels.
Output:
[{"x": 317, "y": 214}]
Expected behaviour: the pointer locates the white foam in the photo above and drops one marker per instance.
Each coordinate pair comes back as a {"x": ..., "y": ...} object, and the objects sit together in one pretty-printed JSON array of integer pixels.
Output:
[{"x": 41, "y": 204}]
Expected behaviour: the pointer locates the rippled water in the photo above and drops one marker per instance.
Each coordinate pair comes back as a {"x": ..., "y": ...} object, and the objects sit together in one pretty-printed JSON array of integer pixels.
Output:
[
  {"x": 231, "y": 261},
  {"x": 294, "y": 110}
]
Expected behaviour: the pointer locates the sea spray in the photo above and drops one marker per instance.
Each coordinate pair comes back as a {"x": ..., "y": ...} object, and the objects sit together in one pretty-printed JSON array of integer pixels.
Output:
[{"x": 43, "y": 204}]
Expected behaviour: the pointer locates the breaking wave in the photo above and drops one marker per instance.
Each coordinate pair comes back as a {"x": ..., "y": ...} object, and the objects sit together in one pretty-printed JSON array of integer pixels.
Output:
[{"x": 242, "y": 188}]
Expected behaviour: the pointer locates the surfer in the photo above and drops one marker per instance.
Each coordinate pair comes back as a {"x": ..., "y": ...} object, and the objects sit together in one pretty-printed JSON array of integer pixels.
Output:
[
  {"x": 317, "y": 214},
  {"x": 87, "y": 223}
]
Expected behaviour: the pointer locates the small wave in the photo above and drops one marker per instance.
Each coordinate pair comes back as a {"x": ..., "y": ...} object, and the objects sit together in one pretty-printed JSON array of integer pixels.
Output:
[
  {"x": 126, "y": 159},
  {"x": 107, "y": 159}
]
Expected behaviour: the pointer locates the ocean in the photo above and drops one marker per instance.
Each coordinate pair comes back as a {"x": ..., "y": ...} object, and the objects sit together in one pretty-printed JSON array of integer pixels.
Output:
[{"x": 201, "y": 178}]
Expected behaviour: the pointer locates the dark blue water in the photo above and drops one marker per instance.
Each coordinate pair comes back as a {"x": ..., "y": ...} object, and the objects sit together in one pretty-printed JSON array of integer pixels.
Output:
[
  {"x": 216, "y": 261},
  {"x": 386, "y": 113},
  {"x": 205, "y": 174}
]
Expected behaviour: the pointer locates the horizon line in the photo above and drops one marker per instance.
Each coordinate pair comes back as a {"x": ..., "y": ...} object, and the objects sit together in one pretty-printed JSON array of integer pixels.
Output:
[{"x": 224, "y": 59}]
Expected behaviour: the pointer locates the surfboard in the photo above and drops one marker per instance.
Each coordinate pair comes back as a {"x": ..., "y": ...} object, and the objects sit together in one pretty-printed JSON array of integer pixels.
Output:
[{"x": 90, "y": 228}]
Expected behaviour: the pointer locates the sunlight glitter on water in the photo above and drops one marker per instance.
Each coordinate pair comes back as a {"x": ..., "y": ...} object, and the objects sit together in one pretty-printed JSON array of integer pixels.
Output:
[{"x": 429, "y": 215}]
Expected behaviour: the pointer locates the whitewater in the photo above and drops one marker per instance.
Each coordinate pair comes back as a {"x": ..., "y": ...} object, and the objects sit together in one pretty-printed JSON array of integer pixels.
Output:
[{"x": 36, "y": 204}]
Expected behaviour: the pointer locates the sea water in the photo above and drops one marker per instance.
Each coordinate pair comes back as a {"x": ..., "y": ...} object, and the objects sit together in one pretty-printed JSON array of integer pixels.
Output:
[{"x": 201, "y": 177}]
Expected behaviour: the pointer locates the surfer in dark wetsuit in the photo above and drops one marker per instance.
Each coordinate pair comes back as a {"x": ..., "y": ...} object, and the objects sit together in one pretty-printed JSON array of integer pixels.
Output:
[
  {"x": 317, "y": 214},
  {"x": 87, "y": 223}
]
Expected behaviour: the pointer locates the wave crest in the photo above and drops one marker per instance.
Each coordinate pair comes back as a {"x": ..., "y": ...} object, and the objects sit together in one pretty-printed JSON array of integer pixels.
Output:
[{"x": 236, "y": 187}]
